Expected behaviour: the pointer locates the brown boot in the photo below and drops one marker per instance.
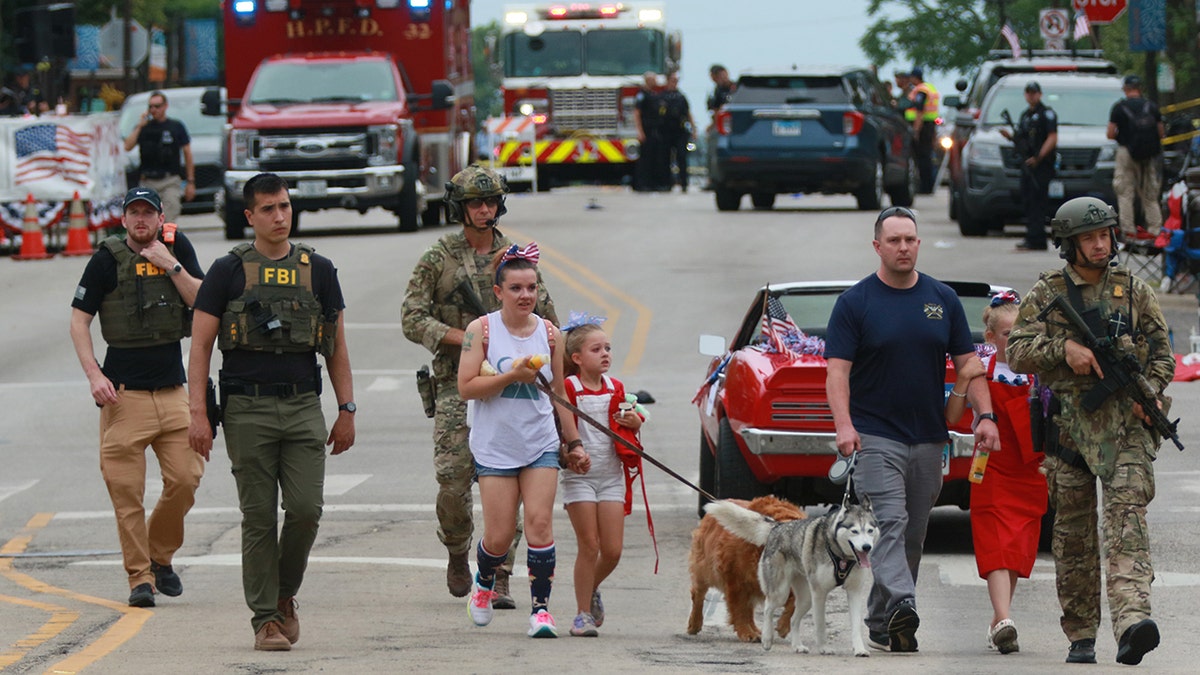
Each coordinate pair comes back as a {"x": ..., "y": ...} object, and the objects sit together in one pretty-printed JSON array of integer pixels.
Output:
[
  {"x": 502, "y": 600},
  {"x": 458, "y": 575},
  {"x": 291, "y": 621},
  {"x": 270, "y": 639}
]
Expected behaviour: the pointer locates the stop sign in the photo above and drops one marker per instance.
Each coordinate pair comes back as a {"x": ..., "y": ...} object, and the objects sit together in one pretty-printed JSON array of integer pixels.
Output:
[{"x": 1100, "y": 11}]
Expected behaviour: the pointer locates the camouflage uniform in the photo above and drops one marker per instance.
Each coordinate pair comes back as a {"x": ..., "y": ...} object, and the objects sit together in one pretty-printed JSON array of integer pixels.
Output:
[
  {"x": 434, "y": 303},
  {"x": 1118, "y": 448}
]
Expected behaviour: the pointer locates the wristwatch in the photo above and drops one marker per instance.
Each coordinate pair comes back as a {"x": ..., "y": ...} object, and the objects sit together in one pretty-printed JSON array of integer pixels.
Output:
[
  {"x": 175, "y": 270},
  {"x": 987, "y": 416},
  {"x": 348, "y": 407}
]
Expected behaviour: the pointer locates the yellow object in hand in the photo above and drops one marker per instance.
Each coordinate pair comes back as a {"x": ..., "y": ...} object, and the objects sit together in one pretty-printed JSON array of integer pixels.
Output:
[
  {"x": 538, "y": 360},
  {"x": 486, "y": 369}
]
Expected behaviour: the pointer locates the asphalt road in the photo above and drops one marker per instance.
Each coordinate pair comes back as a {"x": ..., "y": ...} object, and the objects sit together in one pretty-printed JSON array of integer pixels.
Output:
[{"x": 664, "y": 269}]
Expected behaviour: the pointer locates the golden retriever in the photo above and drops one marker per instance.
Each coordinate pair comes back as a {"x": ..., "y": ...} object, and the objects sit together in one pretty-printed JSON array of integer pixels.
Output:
[{"x": 729, "y": 564}]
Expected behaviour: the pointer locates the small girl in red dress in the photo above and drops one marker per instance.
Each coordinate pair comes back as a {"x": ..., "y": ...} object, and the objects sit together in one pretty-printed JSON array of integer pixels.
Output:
[{"x": 1007, "y": 507}]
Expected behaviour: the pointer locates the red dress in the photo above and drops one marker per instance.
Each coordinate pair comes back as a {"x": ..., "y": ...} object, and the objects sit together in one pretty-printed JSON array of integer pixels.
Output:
[{"x": 1007, "y": 507}]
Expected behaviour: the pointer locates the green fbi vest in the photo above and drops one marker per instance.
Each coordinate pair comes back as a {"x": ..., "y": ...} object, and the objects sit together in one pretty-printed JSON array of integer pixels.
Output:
[
  {"x": 277, "y": 311},
  {"x": 145, "y": 310}
]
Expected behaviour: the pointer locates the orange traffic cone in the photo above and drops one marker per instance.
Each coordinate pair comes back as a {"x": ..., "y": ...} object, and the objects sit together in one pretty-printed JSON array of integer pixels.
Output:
[
  {"x": 33, "y": 247},
  {"x": 78, "y": 241}
]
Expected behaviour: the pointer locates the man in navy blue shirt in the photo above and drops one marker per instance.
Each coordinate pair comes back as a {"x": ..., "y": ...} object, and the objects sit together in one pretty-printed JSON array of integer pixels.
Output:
[{"x": 888, "y": 338}]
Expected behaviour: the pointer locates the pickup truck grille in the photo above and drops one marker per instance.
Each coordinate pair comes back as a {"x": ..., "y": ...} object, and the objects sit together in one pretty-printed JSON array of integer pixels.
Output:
[
  {"x": 299, "y": 150},
  {"x": 799, "y": 412},
  {"x": 591, "y": 110}
]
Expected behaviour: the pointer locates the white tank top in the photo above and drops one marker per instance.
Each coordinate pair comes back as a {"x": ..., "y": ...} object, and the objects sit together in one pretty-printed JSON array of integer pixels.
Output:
[{"x": 516, "y": 427}]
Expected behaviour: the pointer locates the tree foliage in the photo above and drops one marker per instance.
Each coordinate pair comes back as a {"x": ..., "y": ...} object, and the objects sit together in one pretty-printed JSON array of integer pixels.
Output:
[
  {"x": 956, "y": 35},
  {"x": 485, "y": 60}
]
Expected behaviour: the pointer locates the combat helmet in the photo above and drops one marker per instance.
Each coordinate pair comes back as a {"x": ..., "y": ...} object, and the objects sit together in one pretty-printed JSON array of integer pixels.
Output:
[
  {"x": 473, "y": 182},
  {"x": 1079, "y": 215}
]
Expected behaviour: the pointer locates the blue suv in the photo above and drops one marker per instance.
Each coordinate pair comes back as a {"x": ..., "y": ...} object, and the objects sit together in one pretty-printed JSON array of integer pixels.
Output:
[{"x": 829, "y": 130}]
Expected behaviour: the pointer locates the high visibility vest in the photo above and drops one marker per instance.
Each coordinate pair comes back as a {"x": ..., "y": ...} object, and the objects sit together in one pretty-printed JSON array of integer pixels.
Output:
[{"x": 933, "y": 102}]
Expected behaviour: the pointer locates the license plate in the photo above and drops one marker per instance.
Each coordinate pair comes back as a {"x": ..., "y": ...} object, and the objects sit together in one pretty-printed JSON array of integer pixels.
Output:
[
  {"x": 312, "y": 188},
  {"x": 1056, "y": 189},
  {"x": 785, "y": 128}
]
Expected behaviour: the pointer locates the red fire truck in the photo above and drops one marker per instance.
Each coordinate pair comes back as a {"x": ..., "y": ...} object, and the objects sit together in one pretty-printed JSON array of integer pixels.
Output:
[
  {"x": 575, "y": 68},
  {"x": 357, "y": 103}
]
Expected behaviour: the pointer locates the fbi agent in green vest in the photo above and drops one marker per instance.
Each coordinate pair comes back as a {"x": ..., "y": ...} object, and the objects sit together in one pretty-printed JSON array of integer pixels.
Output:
[
  {"x": 271, "y": 306},
  {"x": 142, "y": 285}
]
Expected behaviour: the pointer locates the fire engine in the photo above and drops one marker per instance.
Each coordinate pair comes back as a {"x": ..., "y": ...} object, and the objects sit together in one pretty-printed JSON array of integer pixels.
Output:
[
  {"x": 575, "y": 68},
  {"x": 356, "y": 103}
]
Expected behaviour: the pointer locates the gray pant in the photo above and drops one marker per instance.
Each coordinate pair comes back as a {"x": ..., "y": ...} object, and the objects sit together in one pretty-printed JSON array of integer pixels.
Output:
[{"x": 903, "y": 482}]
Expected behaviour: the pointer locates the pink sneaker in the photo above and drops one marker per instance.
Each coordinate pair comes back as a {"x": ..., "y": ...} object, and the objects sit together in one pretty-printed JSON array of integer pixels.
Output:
[
  {"x": 541, "y": 625},
  {"x": 480, "y": 605}
]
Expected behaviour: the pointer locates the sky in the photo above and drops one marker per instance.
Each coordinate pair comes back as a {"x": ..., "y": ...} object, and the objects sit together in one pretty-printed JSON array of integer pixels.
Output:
[{"x": 760, "y": 33}]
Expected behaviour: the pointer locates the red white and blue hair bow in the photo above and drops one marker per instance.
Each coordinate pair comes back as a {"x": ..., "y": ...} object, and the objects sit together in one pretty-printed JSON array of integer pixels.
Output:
[
  {"x": 578, "y": 319},
  {"x": 1005, "y": 298},
  {"x": 515, "y": 252}
]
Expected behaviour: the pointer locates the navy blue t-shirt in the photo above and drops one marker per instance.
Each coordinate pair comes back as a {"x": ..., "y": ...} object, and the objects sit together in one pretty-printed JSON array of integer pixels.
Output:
[{"x": 897, "y": 340}]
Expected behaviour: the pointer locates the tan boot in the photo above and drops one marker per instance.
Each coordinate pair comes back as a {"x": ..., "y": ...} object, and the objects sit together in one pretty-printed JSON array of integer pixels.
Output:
[
  {"x": 502, "y": 600},
  {"x": 270, "y": 639},
  {"x": 291, "y": 620},
  {"x": 458, "y": 575}
]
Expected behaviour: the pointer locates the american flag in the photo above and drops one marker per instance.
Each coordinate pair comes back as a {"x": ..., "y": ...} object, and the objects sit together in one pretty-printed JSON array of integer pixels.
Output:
[
  {"x": 52, "y": 150},
  {"x": 1082, "y": 27},
  {"x": 776, "y": 323},
  {"x": 1011, "y": 35}
]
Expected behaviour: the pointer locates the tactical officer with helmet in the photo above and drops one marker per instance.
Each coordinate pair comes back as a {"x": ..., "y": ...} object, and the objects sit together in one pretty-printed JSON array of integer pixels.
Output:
[
  {"x": 142, "y": 285},
  {"x": 450, "y": 287},
  {"x": 1088, "y": 437},
  {"x": 271, "y": 306}
]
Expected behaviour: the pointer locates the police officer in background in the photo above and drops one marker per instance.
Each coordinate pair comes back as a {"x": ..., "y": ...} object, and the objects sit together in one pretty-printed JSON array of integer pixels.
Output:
[
  {"x": 142, "y": 285},
  {"x": 160, "y": 141},
  {"x": 450, "y": 287},
  {"x": 1110, "y": 443},
  {"x": 922, "y": 113},
  {"x": 1035, "y": 140},
  {"x": 653, "y": 164},
  {"x": 678, "y": 129},
  {"x": 272, "y": 306}
]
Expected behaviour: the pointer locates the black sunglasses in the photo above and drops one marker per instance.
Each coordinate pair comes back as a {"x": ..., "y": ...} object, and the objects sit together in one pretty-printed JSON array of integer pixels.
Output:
[{"x": 901, "y": 211}]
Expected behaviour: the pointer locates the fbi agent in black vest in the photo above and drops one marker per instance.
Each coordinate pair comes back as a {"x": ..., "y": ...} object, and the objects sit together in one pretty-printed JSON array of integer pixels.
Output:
[
  {"x": 271, "y": 306},
  {"x": 142, "y": 285}
]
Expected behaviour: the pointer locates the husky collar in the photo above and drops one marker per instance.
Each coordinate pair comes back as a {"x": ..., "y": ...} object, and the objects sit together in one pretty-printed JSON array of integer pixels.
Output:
[{"x": 841, "y": 566}]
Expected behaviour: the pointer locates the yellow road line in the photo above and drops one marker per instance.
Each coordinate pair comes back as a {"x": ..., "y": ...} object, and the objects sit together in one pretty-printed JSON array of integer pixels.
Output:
[
  {"x": 641, "y": 329},
  {"x": 60, "y": 619},
  {"x": 131, "y": 621}
]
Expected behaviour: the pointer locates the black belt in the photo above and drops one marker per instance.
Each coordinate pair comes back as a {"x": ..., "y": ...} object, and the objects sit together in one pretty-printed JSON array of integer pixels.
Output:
[
  {"x": 155, "y": 175},
  {"x": 277, "y": 390}
]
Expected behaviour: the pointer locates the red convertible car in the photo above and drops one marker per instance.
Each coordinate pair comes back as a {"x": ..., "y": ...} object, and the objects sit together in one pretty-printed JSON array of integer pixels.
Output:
[{"x": 765, "y": 422}]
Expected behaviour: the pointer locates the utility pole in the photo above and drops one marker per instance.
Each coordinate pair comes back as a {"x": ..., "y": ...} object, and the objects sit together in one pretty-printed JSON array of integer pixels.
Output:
[{"x": 127, "y": 48}]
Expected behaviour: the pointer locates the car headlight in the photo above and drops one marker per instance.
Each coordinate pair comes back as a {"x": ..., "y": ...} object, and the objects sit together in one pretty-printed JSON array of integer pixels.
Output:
[
  {"x": 529, "y": 106},
  {"x": 243, "y": 149},
  {"x": 1108, "y": 153},
  {"x": 383, "y": 144},
  {"x": 979, "y": 152}
]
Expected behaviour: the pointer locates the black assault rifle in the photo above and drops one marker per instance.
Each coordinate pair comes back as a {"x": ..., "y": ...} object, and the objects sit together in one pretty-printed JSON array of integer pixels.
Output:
[
  {"x": 1121, "y": 373},
  {"x": 1021, "y": 147}
]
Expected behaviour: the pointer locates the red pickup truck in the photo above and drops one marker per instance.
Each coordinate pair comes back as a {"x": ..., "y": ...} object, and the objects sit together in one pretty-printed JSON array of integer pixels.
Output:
[{"x": 765, "y": 422}]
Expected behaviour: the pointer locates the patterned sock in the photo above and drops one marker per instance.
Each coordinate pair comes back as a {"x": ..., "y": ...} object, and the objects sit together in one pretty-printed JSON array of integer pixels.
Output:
[
  {"x": 541, "y": 563},
  {"x": 486, "y": 576}
]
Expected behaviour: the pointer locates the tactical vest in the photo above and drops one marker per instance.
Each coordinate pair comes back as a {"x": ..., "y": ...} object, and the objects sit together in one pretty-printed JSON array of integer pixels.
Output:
[
  {"x": 277, "y": 311},
  {"x": 145, "y": 310},
  {"x": 1113, "y": 318}
]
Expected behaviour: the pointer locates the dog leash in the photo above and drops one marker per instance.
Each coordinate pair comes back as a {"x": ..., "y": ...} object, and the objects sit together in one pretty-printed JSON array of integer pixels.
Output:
[{"x": 543, "y": 385}]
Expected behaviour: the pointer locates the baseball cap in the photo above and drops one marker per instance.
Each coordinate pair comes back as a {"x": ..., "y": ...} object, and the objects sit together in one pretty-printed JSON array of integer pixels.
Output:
[
  {"x": 1133, "y": 81},
  {"x": 917, "y": 72},
  {"x": 1033, "y": 86},
  {"x": 144, "y": 194}
]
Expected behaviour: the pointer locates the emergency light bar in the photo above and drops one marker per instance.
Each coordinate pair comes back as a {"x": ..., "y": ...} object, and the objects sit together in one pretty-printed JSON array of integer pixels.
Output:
[
  {"x": 244, "y": 6},
  {"x": 582, "y": 10}
]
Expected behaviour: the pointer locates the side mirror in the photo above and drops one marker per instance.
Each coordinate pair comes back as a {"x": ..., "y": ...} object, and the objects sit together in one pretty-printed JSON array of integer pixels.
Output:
[
  {"x": 442, "y": 95},
  {"x": 961, "y": 85},
  {"x": 952, "y": 102},
  {"x": 712, "y": 345},
  {"x": 210, "y": 102}
]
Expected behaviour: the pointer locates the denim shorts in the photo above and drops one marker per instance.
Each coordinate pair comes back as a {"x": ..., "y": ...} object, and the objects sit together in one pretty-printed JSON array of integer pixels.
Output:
[{"x": 548, "y": 460}]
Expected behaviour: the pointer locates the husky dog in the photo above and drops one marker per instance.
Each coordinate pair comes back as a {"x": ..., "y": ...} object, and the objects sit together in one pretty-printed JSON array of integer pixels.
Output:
[{"x": 810, "y": 558}]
